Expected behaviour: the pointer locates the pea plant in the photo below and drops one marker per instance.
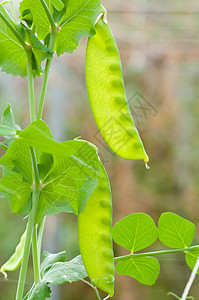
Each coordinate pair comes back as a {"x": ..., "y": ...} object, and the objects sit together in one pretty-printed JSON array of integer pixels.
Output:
[{"x": 44, "y": 177}]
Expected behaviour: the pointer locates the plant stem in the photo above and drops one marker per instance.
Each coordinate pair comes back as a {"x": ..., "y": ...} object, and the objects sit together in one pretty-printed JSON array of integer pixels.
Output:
[
  {"x": 36, "y": 260},
  {"x": 40, "y": 235},
  {"x": 46, "y": 76},
  {"x": 31, "y": 221},
  {"x": 48, "y": 13},
  {"x": 191, "y": 280},
  {"x": 4, "y": 147},
  {"x": 129, "y": 256},
  {"x": 31, "y": 87}
]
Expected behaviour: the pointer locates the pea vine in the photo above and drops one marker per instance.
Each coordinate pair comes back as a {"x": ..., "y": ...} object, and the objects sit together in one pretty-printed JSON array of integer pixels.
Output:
[{"x": 44, "y": 177}]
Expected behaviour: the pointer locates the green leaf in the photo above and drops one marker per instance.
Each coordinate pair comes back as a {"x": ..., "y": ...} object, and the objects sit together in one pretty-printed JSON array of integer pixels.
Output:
[
  {"x": 49, "y": 259},
  {"x": 16, "y": 184},
  {"x": 191, "y": 257},
  {"x": 13, "y": 59},
  {"x": 40, "y": 18},
  {"x": 175, "y": 231},
  {"x": 40, "y": 291},
  {"x": 59, "y": 5},
  {"x": 8, "y": 121},
  {"x": 135, "y": 232},
  {"x": 70, "y": 182},
  {"x": 67, "y": 180},
  {"x": 59, "y": 273},
  {"x": 15, "y": 260},
  {"x": 95, "y": 236},
  {"x": 77, "y": 22},
  {"x": 144, "y": 269}
]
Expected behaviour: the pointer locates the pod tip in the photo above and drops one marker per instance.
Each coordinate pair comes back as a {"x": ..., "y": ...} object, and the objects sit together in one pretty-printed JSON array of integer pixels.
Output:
[{"x": 146, "y": 165}]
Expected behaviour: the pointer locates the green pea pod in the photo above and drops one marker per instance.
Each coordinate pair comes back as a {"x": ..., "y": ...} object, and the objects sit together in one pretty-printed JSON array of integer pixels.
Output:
[
  {"x": 95, "y": 236},
  {"x": 107, "y": 95},
  {"x": 15, "y": 260}
]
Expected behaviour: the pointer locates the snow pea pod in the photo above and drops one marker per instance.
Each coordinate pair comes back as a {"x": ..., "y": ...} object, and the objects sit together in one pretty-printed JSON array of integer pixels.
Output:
[
  {"x": 95, "y": 236},
  {"x": 107, "y": 96},
  {"x": 15, "y": 260}
]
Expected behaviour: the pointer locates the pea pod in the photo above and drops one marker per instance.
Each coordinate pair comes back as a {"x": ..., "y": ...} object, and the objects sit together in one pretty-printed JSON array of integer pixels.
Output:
[
  {"x": 95, "y": 236},
  {"x": 107, "y": 95},
  {"x": 15, "y": 260}
]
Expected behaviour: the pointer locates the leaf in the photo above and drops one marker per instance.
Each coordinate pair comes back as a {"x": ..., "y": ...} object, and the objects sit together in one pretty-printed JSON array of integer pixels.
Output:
[
  {"x": 8, "y": 121},
  {"x": 175, "y": 231},
  {"x": 144, "y": 269},
  {"x": 77, "y": 22},
  {"x": 40, "y": 18},
  {"x": 62, "y": 272},
  {"x": 13, "y": 59},
  {"x": 15, "y": 260},
  {"x": 135, "y": 232},
  {"x": 57, "y": 4},
  {"x": 68, "y": 180},
  {"x": 40, "y": 291},
  {"x": 59, "y": 273},
  {"x": 95, "y": 236},
  {"x": 191, "y": 257},
  {"x": 49, "y": 259}
]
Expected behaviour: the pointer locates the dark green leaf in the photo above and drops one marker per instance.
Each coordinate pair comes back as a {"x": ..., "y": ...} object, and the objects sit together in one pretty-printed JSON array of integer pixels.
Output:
[
  {"x": 45, "y": 165},
  {"x": 135, "y": 232},
  {"x": 40, "y": 291},
  {"x": 175, "y": 231},
  {"x": 191, "y": 257},
  {"x": 144, "y": 269}
]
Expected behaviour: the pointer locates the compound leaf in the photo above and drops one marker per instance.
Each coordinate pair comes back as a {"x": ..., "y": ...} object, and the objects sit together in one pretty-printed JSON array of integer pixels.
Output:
[
  {"x": 175, "y": 231},
  {"x": 49, "y": 259},
  {"x": 135, "y": 232},
  {"x": 144, "y": 269}
]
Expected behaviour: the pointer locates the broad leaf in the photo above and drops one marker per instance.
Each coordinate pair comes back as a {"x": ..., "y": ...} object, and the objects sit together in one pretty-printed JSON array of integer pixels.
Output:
[
  {"x": 40, "y": 18},
  {"x": 191, "y": 257},
  {"x": 13, "y": 59},
  {"x": 77, "y": 22},
  {"x": 59, "y": 273},
  {"x": 175, "y": 231},
  {"x": 59, "y": 5},
  {"x": 67, "y": 180},
  {"x": 135, "y": 232},
  {"x": 144, "y": 269}
]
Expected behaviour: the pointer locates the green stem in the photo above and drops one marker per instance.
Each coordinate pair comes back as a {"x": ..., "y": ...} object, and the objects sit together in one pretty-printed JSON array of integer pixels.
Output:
[
  {"x": 31, "y": 221},
  {"x": 40, "y": 235},
  {"x": 93, "y": 287},
  {"x": 4, "y": 147},
  {"x": 31, "y": 87},
  {"x": 36, "y": 261},
  {"x": 46, "y": 76},
  {"x": 48, "y": 13},
  {"x": 154, "y": 253}
]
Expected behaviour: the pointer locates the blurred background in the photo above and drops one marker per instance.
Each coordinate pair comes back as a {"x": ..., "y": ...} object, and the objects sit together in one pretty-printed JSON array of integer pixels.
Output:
[{"x": 159, "y": 47}]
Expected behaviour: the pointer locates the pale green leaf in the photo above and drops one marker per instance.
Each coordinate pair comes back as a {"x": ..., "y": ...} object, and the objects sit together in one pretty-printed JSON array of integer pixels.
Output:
[
  {"x": 175, "y": 231},
  {"x": 144, "y": 269},
  {"x": 49, "y": 259},
  {"x": 135, "y": 232}
]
